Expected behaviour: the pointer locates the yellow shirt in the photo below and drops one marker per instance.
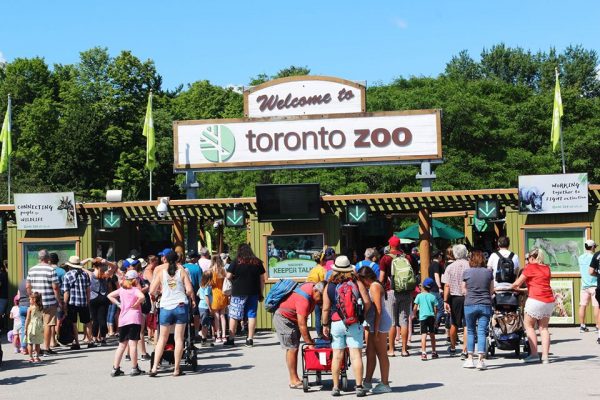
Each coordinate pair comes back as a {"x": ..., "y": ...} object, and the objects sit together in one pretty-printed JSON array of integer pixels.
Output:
[{"x": 317, "y": 274}]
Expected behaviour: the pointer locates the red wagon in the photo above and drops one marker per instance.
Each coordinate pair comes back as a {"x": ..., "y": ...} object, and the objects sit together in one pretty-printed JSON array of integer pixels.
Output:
[{"x": 317, "y": 362}]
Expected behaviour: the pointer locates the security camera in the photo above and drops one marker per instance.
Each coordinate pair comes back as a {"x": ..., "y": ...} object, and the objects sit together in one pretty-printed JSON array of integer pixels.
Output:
[
  {"x": 218, "y": 223},
  {"x": 163, "y": 207}
]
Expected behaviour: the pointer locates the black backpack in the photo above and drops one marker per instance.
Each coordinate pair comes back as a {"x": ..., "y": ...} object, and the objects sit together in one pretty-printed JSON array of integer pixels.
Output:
[{"x": 505, "y": 272}]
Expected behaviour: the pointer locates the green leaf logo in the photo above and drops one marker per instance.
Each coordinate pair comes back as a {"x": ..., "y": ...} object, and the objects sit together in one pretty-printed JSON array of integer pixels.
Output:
[{"x": 217, "y": 143}]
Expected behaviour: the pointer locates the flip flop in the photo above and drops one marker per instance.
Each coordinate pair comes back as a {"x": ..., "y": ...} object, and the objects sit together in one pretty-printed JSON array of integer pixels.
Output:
[
  {"x": 180, "y": 373},
  {"x": 152, "y": 374},
  {"x": 391, "y": 355},
  {"x": 296, "y": 386},
  {"x": 405, "y": 354}
]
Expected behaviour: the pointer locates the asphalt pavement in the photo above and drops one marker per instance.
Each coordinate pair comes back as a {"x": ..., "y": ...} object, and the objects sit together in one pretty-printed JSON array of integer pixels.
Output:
[{"x": 259, "y": 372}]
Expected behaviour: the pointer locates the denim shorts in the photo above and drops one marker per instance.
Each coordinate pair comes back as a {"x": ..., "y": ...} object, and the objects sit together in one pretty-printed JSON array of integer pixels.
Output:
[
  {"x": 206, "y": 318},
  {"x": 342, "y": 336},
  {"x": 243, "y": 306},
  {"x": 178, "y": 315}
]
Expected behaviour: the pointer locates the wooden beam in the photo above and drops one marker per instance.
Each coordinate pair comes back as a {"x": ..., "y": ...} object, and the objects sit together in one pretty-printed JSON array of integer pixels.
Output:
[{"x": 425, "y": 241}]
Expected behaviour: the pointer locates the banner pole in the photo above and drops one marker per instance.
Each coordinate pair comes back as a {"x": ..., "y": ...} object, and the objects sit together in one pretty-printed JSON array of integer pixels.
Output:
[
  {"x": 10, "y": 133},
  {"x": 562, "y": 151},
  {"x": 150, "y": 185}
]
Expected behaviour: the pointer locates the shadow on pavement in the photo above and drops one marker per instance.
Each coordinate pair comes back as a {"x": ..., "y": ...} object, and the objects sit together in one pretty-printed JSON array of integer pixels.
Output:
[
  {"x": 212, "y": 357},
  {"x": 205, "y": 369},
  {"x": 564, "y": 341},
  {"x": 15, "y": 380},
  {"x": 416, "y": 387}
]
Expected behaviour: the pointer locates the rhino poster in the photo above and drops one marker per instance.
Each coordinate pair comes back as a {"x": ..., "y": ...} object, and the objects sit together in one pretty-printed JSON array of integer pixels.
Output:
[
  {"x": 561, "y": 247},
  {"x": 553, "y": 194}
]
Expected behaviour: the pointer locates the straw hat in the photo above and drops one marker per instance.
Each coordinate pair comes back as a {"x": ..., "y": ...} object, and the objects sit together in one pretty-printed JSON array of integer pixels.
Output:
[
  {"x": 342, "y": 264},
  {"x": 74, "y": 262}
]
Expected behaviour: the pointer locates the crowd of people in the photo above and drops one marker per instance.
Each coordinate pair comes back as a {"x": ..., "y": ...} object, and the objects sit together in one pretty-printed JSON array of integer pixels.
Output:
[{"x": 360, "y": 305}]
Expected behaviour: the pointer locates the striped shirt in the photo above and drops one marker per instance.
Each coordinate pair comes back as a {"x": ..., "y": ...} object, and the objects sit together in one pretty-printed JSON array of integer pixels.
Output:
[
  {"x": 41, "y": 278},
  {"x": 453, "y": 276},
  {"x": 76, "y": 282}
]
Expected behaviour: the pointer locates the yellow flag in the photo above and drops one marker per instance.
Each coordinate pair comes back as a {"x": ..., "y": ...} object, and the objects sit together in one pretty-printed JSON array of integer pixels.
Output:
[
  {"x": 5, "y": 138},
  {"x": 557, "y": 114}
]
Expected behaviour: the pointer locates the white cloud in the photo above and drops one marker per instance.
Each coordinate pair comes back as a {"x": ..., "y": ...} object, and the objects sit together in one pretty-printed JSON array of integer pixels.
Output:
[
  {"x": 235, "y": 88},
  {"x": 2, "y": 59},
  {"x": 400, "y": 23}
]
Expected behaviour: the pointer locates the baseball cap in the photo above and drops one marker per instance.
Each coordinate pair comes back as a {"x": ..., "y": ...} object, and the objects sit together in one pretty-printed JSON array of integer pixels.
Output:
[
  {"x": 130, "y": 262},
  {"x": 590, "y": 243},
  {"x": 330, "y": 251},
  {"x": 131, "y": 275},
  {"x": 428, "y": 283},
  {"x": 394, "y": 241},
  {"x": 192, "y": 253},
  {"x": 165, "y": 251}
]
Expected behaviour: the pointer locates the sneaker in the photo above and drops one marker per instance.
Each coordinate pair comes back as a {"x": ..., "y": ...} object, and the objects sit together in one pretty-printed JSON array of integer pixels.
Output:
[
  {"x": 583, "y": 329},
  {"x": 249, "y": 342},
  {"x": 424, "y": 356},
  {"x": 103, "y": 343},
  {"x": 335, "y": 392},
  {"x": 451, "y": 351},
  {"x": 75, "y": 346},
  {"x": 597, "y": 341},
  {"x": 229, "y": 343},
  {"x": 91, "y": 345},
  {"x": 481, "y": 365},
  {"x": 463, "y": 356},
  {"x": 532, "y": 359},
  {"x": 49, "y": 352},
  {"x": 434, "y": 355},
  {"x": 145, "y": 357},
  {"x": 367, "y": 385},
  {"x": 136, "y": 371},
  {"x": 469, "y": 363},
  {"x": 545, "y": 361},
  {"x": 381, "y": 388},
  {"x": 204, "y": 343},
  {"x": 117, "y": 372},
  {"x": 361, "y": 391},
  {"x": 127, "y": 358}
]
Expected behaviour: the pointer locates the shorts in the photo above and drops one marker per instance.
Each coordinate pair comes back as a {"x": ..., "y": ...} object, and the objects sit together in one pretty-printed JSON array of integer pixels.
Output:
[
  {"x": 389, "y": 302},
  {"x": 129, "y": 332},
  {"x": 288, "y": 332},
  {"x": 427, "y": 325},
  {"x": 586, "y": 295},
  {"x": 342, "y": 336},
  {"x": 49, "y": 315},
  {"x": 151, "y": 322},
  {"x": 82, "y": 312},
  {"x": 178, "y": 315},
  {"x": 243, "y": 306},
  {"x": 457, "y": 310},
  {"x": 402, "y": 307},
  {"x": 538, "y": 309},
  {"x": 205, "y": 317}
]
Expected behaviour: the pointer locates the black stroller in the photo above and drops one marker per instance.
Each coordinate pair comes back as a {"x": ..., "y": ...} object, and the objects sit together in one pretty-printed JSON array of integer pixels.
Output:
[
  {"x": 506, "y": 325},
  {"x": 190, "y": 352}
]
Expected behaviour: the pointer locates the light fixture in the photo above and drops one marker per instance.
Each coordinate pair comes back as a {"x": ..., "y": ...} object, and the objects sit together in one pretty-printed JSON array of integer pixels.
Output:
[
  {"x": 113, "y": 196},
  {"x": 163, "y": 207}
]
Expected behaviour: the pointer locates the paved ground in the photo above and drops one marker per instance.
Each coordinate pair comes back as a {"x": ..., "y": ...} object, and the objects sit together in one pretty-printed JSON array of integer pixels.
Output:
[{"x": 259, "y": 372}]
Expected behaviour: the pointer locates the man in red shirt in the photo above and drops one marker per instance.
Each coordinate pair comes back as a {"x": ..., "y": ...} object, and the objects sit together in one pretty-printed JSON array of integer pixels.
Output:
[
  {"x": 400, "y": 310},
  {"x": 290, "y": 322}
]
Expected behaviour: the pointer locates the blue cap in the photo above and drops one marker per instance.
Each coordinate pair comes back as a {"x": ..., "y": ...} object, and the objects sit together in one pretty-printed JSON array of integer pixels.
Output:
[
  {"x": 428, "y": 283},
  {"x": 165, "y": 251}
]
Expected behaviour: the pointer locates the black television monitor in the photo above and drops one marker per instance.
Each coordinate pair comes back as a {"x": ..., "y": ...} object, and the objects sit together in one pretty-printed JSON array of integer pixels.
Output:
[{"x": 295, "y": 202}]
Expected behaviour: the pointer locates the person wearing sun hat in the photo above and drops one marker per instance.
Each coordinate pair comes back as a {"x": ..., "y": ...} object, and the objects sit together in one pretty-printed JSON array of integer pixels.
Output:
[
  {"x": 76, "y": 289},
  {"x": 343, "y": 336}
]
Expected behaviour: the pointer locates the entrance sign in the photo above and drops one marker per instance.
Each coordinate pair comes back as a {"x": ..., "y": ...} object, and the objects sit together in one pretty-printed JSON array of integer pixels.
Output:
[
  {"x": 111, "y": 219},
  {"x": 304, "y": 95},
  {"x": 291, "y": 256},
  {"x": 39, "y": 211},
  {"x": 486, "y": 209},
  {"x": 356, "y": 214},
  {"x": 314, "y": 141},
  {"x": 553, "y": 194}
]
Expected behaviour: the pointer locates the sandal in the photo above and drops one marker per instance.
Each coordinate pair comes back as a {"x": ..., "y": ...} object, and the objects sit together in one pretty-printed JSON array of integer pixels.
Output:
[
  {"x": 296, "y": 386},
  {"x": 405, "y": 354},
  {"x": 178, "y": 373},
  {"x": 391, "y": 354},
  {"x": 152, "y": 374}
]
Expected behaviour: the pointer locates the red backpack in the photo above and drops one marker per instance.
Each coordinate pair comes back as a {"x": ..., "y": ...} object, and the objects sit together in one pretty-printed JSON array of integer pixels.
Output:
[{"x": 348, "y": 303}]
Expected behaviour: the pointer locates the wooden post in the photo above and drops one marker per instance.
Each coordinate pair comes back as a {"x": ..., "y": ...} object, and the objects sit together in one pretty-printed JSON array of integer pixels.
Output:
[
  {"x": 425, "y": 241},
  {"x": 178, "y": 233},
  {"x": 220, "y": 238}
]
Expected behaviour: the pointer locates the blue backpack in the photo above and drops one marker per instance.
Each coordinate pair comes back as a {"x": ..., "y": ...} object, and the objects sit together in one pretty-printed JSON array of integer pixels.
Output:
[{"x": 280, "y": 291}]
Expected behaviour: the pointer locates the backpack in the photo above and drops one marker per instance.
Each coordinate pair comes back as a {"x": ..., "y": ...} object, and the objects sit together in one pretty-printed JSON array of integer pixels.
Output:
[
  {"x": 281, "y": 291},
  {"x": 403, "y": 274},
  {"x": 505, "y": 272},
  {"x": 348, "y": 303}
]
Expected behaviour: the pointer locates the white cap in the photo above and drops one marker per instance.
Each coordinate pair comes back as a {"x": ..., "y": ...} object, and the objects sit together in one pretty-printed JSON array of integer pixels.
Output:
[
  {"x": 590, "y": 243},
  {"x": 131, "y": 274}
]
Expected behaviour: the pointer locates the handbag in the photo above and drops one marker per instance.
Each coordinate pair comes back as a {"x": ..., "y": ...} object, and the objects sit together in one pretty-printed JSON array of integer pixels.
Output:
[{"x": 227, "y": 286}]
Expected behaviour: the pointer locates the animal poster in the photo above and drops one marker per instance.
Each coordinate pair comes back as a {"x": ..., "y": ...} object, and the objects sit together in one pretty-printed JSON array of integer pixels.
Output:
[
  {"x": 563, "y": 299},
  {"x": 64, "y": 250},
  {"x": 39, "y": 211},
  {"x": 291, "y": 256},
  {"x": 553, "y": 194},
  {"x": 561, "y": 247}
]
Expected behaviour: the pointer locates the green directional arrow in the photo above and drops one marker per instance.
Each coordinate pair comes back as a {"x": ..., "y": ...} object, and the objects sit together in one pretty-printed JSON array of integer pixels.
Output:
[
  {"x": 489, "y": 210},
  {"x": 236, "y": 219},
  {"x": 358, "y": 215},
  {"x": 112, "y": 220}
]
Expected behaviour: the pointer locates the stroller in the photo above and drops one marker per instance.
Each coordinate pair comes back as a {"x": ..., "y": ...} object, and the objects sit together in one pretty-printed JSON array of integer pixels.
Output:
[
  {"x": 506, "y": 325},
  {"x": 317, "y": 361},
  {"x": 190, "y": 352}
]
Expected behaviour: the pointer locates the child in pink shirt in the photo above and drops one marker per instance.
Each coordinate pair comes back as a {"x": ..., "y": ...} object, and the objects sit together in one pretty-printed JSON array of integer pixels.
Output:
[{"x": 130, "y": 321}]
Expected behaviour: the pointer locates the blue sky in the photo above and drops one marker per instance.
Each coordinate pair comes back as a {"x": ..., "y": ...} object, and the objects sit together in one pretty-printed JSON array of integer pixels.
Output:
[{"x": 228, "y": 42}]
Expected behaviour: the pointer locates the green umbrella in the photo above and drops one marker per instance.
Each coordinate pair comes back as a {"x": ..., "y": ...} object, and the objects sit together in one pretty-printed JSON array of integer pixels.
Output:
[{"x": 439, "y": 230}]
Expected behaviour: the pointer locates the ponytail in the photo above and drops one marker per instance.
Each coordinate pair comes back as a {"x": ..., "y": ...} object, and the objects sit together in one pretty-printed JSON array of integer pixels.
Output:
[{"x": 172, "y": 259}]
